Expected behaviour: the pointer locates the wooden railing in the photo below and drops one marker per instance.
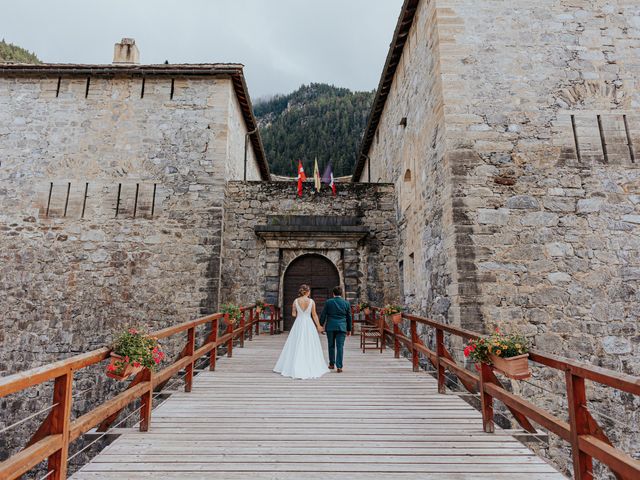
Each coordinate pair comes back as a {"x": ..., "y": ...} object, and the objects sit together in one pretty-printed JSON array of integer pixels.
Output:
[
  {"x": 587, "y": 439},
  {"x": 51, "y": 441}
]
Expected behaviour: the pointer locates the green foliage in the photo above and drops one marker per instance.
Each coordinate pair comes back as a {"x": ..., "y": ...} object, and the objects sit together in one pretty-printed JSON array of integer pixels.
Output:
[
  {"x": 363, "y": 305},
  {"x": 316, "y": 121},
  {"x": 391, "y": 309},
  {"x": 12, "y": 53},
  {"x": 137, "y": 348},
  {"x": 232, "y": 310},
  {"x": 499, "y": 344}
]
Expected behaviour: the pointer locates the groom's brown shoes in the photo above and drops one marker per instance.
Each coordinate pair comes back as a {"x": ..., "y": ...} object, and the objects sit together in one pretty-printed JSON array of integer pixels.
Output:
[
  {"x": 339, "y": 370},
  {"x": 331, "y": 366}
]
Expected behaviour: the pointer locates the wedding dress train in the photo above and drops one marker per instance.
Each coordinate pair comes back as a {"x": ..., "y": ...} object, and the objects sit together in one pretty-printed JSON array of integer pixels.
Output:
[{"x": 302, "y": 355}]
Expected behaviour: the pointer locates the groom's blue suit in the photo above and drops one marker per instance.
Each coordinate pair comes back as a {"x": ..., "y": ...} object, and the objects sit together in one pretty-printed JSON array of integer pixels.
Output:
[{"x": 336, "y": 319}]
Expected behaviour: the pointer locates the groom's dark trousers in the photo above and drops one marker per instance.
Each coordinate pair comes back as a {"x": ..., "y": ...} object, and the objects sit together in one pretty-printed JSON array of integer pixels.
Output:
[
  {"x": 336, "y": 319},
  {"x": 336, "y": 342}
]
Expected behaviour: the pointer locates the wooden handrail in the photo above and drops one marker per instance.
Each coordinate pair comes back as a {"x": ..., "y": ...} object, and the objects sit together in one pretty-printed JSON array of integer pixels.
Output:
[
  {"x": 582, "y": 432},
  {"x": 51, "y": 440}
]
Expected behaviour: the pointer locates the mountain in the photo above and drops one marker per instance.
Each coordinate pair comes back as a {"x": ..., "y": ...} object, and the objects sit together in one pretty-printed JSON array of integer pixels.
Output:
[
  {"x": 317, "y": 120},
  {"x": 12, "y": 53}
]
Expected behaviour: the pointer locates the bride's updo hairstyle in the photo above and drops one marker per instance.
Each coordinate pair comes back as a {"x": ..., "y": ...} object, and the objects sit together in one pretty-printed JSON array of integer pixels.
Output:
[{"x": 304, "y": 289}]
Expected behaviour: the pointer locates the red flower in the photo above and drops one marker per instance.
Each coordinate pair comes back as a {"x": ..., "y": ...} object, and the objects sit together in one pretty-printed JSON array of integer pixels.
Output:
[
  {"x": 157, "y": 360},
  {"x": 133, "y": 331},
  {"x": 136, "y": 364},
  {"x": 111, "y": 368},
  {"x": 126, "y": 359},
  {"x": 467, "y": 351}
]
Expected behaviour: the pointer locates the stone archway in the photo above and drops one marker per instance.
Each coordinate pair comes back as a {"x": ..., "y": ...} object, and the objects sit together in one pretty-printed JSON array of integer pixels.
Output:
[{"x": 315, "y": 270}]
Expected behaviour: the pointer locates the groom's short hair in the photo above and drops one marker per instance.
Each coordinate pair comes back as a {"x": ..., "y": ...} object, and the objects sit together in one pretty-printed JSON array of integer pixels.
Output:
[{"x": 337, "y": 291}]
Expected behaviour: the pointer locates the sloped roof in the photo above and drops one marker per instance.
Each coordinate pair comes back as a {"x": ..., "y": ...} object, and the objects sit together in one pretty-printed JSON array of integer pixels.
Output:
[
  {"x": 232, "y": 70},
  {"x": 400, "y": 35}
]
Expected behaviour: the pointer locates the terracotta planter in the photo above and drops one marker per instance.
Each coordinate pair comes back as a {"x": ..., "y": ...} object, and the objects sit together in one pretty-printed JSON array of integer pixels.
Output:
[
  {"x": 396, "y": 318},
  {"x": 513, "y": 367},
  {"x": 128, "y": 370}
]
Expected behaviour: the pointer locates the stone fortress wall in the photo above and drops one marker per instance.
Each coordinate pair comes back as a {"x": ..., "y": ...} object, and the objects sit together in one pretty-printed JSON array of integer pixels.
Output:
[
  {"x": 253, "y": 266},
  {"x": 521, "y": 126},
  {"x": 111, "y": 212}
]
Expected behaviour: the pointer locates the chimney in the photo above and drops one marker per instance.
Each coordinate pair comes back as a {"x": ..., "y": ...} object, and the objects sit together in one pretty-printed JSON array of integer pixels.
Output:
[{"x": 126, "y": 51}]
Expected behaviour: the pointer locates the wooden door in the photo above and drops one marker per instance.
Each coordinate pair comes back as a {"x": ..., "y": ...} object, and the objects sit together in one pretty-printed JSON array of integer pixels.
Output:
[{"x": 317, "y": 272}]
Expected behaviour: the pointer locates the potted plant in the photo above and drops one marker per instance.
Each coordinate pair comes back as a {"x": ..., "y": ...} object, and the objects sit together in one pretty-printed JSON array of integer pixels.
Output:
[
  {"x": 393, "y": 313},
  {"x": 259, "y": 306},
  {"x": 508, "y": 353},
  {"x": 364, "y": 307},
  {"x": 132, "y": 351},
  {"x": 232, "y": 313}
]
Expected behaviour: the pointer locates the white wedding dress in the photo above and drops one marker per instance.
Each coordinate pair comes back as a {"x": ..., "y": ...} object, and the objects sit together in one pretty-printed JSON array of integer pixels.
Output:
[{"x": 302, "y": 355}]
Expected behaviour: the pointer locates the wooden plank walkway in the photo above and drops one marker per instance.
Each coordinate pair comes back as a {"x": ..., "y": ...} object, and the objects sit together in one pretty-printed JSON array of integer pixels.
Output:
[{"x": 377, "y": 419}]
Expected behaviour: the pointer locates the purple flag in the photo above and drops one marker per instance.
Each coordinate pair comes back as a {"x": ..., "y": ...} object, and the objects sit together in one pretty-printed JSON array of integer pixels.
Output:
[{"x": 327, "y": 177}]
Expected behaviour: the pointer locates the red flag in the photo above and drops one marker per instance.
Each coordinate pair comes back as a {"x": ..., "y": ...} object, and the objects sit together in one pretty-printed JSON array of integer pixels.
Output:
[{"x": 301, "y": 177}]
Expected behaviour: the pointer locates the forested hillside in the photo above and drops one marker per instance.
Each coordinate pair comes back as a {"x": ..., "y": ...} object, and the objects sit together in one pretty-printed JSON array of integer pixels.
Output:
[
  {"x": 317, "y": 120},
  {"x": 12, "y": 53}
]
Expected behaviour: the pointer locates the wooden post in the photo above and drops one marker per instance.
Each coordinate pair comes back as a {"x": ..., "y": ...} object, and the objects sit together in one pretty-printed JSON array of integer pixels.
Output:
[
  {"x": 251, "y": 318},
  {"x": 579, "y": 424},
  {"x": 242, "y": 325},
  {"x": 191, "y": 346},
  {"x": 280, "y": 322},
  {"x": 486, "y": 399},
  {"x": 147, "y": 402},
  {"x": 213, "y": 337},
  {"x": 271, "y": 316},
  {"x": 442, "y": 386},
  {"x": 229, "y": 330},
  {"x": 396, "y": 342},
  {"x": 60, "y": 421},
  {"x": 414, "y": 351},
  {"x": 258, "y": 316}
]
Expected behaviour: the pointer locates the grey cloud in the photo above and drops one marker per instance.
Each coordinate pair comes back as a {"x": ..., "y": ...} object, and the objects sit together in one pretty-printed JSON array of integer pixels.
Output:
[{"x": 283, "y": 43}]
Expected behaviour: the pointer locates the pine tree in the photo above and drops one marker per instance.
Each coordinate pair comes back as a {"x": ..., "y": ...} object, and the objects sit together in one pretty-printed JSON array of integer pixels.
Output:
[{"x": 317, "y": 120}]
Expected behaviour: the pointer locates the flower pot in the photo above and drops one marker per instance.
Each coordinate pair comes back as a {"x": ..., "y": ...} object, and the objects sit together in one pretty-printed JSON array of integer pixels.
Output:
[
  {"x": 123, "y": 373},
  {"x": 396, "y": 318},
  {"x": 513, "y": 367}
]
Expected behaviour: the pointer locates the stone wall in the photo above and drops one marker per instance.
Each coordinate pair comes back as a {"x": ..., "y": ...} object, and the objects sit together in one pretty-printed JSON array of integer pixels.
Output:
[
  {"x": 535, "y": 159},
  {"x": 412, "y": 158},
  {"x": 110, "y": 213},
  {"x": 252, "y": 266}
]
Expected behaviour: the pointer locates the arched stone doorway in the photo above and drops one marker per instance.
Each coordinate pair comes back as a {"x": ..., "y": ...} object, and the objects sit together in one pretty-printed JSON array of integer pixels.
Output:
[{"x": 316, "y": 271}]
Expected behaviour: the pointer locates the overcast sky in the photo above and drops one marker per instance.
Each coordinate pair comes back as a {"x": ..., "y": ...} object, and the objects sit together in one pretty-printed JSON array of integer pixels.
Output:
[{"x": 282, "y": 43}]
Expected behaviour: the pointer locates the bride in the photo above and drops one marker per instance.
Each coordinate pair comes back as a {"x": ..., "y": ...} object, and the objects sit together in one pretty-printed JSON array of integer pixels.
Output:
[{"x": 302, "y": 355}]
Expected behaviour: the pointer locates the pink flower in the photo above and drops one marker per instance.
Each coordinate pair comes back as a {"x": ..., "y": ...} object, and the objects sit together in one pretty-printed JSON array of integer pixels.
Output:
[
  {"x": 126, "y": 359},
  {"x": 157, "y": 360},
  {"x": 133, "y": 331}
]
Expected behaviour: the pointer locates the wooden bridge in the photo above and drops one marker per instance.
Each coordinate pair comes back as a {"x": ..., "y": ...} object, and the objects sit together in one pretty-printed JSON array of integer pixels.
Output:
[{"x": 378, "y": 419}]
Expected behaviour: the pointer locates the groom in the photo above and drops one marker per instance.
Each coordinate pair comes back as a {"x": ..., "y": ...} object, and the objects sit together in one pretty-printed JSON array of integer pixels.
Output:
[{"x": 336, "y": 320}]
